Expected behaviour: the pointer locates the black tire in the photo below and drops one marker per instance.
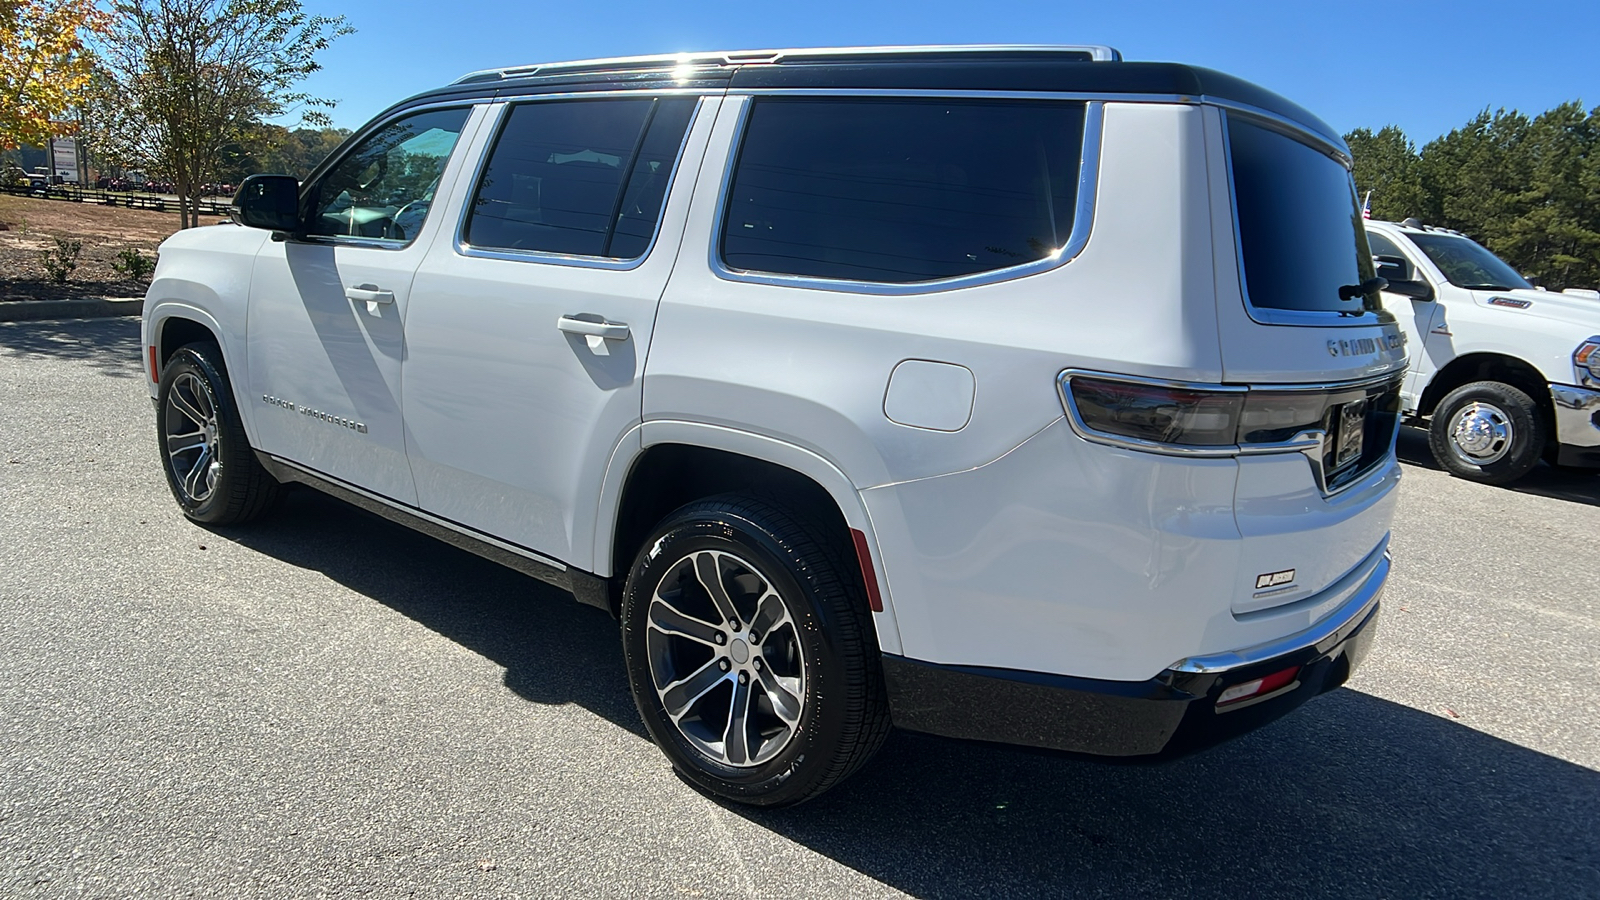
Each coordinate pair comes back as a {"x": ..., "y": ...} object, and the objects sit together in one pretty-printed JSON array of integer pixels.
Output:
[
  {"x": 213, "y": 473},
  {"x": 1488, "y": 432},
  {"x": 826, "y": 651}
]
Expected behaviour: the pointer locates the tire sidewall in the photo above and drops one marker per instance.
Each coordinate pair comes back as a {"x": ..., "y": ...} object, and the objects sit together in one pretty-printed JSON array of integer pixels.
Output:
[
  {"x": 788, "y": 775},
  {"x": 1527, "y": 432}
]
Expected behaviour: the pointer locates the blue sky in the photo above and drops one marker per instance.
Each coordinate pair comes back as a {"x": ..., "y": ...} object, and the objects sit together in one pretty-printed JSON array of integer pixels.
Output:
[{"x": 1425, "y": 66}]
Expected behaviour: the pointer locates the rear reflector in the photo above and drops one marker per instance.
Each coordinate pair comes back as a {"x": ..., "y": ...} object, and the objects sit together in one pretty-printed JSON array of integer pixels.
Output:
[
  {"x": 864, "y": 556},
  {"x": 1260, "y": 687}
]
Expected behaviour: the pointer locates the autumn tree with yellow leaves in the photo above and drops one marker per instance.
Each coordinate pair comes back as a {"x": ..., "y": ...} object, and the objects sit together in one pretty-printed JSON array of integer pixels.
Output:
[{"x": 44, "y": 66}]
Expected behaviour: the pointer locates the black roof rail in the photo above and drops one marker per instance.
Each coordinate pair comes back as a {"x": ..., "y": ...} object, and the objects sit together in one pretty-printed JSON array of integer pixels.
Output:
[{"x": 909, "y": 53}]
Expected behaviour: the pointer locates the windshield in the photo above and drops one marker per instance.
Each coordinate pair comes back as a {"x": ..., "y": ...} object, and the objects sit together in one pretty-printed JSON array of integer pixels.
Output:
[
  {"x": 1300, "y": 232},
  {"x": 1468, "y": 265}
]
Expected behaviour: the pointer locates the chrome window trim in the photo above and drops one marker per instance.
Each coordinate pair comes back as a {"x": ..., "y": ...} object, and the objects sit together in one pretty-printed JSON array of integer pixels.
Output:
[
  {"x": 501, "y": 116},
  {"x": 536, "y": 96},
  {"x": 1077, "y": 238},
  {"x": 354, "y": 141},
  {"x": 1263, "y": 315},
  {"x": 1308, "y": 443}
]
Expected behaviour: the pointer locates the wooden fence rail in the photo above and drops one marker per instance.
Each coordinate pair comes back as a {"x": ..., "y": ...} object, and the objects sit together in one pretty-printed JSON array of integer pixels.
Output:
[{"x": 127, "y": 199}]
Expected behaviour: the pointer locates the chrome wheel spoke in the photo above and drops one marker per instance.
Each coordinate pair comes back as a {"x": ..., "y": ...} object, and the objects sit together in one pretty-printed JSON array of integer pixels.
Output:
[
  {"x": 770, "y": 613},
  {"x": 189, "y": 408},
  {"x": 668, "y": 620},
  {"x": 709, "y": 571},
  {"x": 783, "y": 697},
  {"x": 736, "y": 738},
  {"x": 183, "y": 443},
  {"x": 680, "y": 696},
  {"x": 198, "y": 472}
]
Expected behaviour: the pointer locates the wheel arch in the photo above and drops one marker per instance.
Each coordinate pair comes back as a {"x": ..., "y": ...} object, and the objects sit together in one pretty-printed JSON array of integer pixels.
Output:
[
  {"x": 679, "y": 462},
  {"x": 1488, "y": 367},
  {"x": 170, "y": 324}
]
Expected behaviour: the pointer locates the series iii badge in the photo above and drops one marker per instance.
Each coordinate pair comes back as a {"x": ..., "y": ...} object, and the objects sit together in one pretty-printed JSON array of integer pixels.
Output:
[{"x": 1273, "y": 579}]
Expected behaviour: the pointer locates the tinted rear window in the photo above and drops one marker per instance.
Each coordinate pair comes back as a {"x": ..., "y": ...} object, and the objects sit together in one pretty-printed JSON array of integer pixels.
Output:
[
  {"x": 902, "y": 191},
  {"x": 579, "y": 177},
  {"x": 1300, "y": 229}
]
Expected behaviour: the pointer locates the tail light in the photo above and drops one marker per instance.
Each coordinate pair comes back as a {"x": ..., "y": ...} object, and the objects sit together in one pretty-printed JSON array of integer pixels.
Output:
[{"x": 1341, "y": 428}]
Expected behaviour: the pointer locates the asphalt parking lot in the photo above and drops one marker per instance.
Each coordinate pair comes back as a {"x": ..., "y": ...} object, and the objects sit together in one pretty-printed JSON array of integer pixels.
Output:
[{"x": 329, "y": 704}]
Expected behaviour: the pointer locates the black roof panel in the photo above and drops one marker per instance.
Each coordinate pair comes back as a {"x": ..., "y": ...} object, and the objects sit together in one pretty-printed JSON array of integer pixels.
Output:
[{"x": 972, "y": 70}]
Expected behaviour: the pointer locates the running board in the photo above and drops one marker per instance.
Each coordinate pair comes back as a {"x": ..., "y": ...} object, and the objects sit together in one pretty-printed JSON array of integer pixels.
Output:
[{"x": 590, "y": 590}]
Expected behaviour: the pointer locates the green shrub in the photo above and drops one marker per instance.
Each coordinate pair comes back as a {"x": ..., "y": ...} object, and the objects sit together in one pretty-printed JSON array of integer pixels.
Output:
[
  {"x": 60, "y": 261},
  {"x": 133, "y": 265}
]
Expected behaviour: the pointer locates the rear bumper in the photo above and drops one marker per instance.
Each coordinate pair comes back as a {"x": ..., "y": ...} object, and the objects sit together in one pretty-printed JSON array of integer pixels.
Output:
[
  {"x": 1171, "y": 715},
  {"x": 1577, "y": 425}
]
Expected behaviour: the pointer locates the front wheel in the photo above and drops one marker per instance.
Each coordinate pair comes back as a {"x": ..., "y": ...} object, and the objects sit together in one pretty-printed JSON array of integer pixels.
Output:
[
  {"x": 213, "y": 473},
  {"x": 750, "y": 652},
  {"x": 1487, "y": 431}
]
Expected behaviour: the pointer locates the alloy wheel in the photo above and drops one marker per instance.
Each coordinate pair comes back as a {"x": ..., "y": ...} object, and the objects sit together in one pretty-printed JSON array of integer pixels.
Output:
[
  {"x": 725, "y": 658},
  {"x": 189, "y": 429}
]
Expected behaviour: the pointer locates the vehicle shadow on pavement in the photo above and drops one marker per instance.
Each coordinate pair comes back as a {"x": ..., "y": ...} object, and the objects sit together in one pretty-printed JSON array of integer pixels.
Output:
[
  {"x": 553, "y": 649},
  {"x": 109, "y": 345},
  {"x": 1575, "y": 486},
  {"x": 1350, "y": 796}
]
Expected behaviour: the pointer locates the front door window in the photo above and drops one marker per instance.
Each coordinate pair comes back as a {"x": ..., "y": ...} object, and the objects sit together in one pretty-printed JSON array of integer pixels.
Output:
[{"x": 383, "y": 188}]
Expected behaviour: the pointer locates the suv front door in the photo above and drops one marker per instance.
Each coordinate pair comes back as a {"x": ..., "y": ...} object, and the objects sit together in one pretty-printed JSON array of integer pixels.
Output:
[
  {"x": 527, "y": 333},
  {"x": 327, "y": 305}
]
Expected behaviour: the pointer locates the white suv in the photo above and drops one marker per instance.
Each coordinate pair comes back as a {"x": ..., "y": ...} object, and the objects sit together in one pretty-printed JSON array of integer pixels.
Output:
[
  {"x": 1011, "y": 393},
  {"x": 1502, "y": 373}
]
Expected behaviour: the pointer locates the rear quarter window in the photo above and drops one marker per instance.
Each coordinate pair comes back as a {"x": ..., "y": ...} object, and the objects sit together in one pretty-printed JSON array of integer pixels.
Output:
[
  {"x": 901, "y": 191},
  {"x": 1299, "y": 225}
]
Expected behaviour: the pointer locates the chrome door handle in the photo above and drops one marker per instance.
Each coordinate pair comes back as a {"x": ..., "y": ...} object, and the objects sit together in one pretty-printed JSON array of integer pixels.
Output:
[
  {"x": 591, "y": 325},
  {"x": 369, "y": 293}
]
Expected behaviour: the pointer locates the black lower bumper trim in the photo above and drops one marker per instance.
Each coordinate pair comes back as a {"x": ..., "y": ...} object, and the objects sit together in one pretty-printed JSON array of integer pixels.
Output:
[
  {"x": 1171, "y": 715},
  {"x": 1578, "y": 457}
]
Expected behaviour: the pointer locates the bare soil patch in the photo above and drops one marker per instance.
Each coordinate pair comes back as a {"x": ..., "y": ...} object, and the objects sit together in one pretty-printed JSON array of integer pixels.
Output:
[{"x": 31, "y": 225}]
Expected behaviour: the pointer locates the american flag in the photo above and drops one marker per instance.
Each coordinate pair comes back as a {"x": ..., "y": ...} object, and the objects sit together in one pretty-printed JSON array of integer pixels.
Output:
[{"x": 1366, "y": 206}]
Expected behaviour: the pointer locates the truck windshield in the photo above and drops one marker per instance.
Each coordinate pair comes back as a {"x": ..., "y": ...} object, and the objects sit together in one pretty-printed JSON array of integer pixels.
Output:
[
  {"x": 1466, "y": 264},
  {"x": 1300, "y": 231}
]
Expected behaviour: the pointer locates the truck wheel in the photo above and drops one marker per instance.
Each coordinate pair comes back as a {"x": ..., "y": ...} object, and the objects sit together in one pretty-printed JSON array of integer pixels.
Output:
[
  {"x": 750, "y": 652},
  {"x": 1487, "y": 432},
  {"x": 213, "y": 473}
]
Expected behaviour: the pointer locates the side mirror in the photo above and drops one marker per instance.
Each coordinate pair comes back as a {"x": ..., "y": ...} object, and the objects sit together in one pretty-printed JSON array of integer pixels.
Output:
[
  {"x": 1416, "y": 290},
  {"x": 268, "y": 201},
  {"x": 1393, "y": 268}
]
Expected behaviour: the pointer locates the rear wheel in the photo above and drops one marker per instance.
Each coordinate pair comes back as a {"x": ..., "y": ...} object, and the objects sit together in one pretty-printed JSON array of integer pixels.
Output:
[
  {"x": 750, "y": 652},
  {"x": 213, "y": 473},
  {"x": 1487, "y": 431}
]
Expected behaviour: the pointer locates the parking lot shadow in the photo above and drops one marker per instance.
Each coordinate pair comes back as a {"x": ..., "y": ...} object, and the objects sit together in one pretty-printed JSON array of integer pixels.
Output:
[
  {"x": 1353, "y": 796},
  {"x": 109, "y": 345},
  {"x": 1573, "y": 485}
]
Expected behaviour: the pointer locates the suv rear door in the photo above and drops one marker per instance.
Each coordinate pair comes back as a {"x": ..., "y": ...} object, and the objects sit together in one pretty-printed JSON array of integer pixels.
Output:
[{"x": 528, "y": 327}]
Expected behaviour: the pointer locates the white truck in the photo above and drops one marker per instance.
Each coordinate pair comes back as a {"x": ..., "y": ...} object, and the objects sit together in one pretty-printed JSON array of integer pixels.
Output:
[{"x": 1502, "y": 373}]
